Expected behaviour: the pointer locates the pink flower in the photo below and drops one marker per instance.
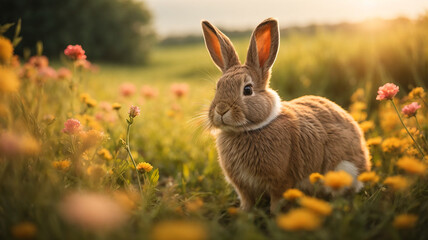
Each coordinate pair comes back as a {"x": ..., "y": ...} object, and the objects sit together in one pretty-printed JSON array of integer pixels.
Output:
[
  {"x": 64, "y": 73},
  {"x": 127, "y": 89},
  {"x": 92, "y": 211},
  {"x": 12, "y": 144},
  {"x": 83, "y": 63},
  {"x": 105, "y": 106},
  {"x": 75, "y": 52},
  {"x": 149, "y": 92},
  {"x": 47, "y": 73},
  {"x": 387, "y": 91},
  {"x": 411, "y": 109},
  {"x": 9, "y": 144},
  {"x": 71, "y": 126},
  {"x": 179, "y": 89},
  {"x": 39, "y": 61},
  {"x": 134, "y": 111}
]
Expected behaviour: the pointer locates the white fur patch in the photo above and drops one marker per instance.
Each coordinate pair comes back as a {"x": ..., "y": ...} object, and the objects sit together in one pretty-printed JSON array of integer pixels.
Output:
[
  {"x": 276, "y": 110},
  {"x": 350, "y": 168}
]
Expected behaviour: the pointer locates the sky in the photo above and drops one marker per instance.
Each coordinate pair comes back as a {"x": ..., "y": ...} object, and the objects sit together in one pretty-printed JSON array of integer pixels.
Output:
[{"x": 181, "y": 17}]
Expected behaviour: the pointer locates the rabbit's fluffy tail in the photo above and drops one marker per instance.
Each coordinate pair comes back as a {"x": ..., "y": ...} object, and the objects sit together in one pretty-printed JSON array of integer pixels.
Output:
[{"x": 350, "y": 168}]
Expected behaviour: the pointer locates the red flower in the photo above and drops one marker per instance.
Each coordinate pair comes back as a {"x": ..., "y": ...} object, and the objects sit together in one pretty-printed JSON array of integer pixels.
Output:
[
  {"x": 411, "y": 109},
  {"x": 387, "y": 91},
  {"x": 75, "y": 52}
]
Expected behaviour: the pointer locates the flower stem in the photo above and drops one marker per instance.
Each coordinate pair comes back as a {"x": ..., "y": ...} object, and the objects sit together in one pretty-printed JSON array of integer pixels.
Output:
[
  {"x": 420, "y": 130},
  {"x": 130, "y": 155},
  {"x": 423, "y": 100},
  {"x": 401, "y": 120},
  {"x": 72, "y": 88}
]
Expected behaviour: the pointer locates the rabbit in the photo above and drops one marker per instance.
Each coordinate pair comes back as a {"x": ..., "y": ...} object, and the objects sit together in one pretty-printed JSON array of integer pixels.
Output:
[{"x": 266, "y": 145}]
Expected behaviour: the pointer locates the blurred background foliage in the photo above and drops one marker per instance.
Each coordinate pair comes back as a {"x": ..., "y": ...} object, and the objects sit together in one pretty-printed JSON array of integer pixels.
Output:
[
  {"x": 113, "y": 30},
  {"x": 328, "y": 60},
  {"x": 333, "y": 60}
]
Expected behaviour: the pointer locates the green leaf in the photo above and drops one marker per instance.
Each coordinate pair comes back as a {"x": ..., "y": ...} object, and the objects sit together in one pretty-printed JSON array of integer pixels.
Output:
[
  {"x": 186, "y": 171},
  {"x": 154, "y": 178},
  {"x": 16, "y": 41},
  {"x": 5, "y": 27},
  {"x": 18, "y": 28},
  {"x": 39, "y": 47}
]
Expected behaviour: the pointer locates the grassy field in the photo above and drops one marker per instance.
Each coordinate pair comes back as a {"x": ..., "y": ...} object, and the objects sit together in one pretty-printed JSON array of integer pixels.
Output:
[{"x": 60, "y": 182}]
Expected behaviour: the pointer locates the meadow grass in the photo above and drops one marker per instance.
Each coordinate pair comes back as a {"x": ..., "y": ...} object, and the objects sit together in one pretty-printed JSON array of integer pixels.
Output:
[{"x": 47, "y": 176}]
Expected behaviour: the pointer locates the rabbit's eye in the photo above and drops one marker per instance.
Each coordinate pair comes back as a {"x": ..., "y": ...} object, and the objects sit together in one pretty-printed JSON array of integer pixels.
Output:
[{"x": 248, "y": 90}]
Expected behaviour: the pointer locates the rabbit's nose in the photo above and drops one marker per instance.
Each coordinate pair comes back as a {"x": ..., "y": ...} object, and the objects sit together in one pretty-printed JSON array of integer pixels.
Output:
[{"x": 222, "y": 108}]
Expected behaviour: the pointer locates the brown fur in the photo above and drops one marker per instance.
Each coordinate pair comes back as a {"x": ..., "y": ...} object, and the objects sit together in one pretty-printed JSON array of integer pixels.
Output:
[{"x": 266, "y": 146}]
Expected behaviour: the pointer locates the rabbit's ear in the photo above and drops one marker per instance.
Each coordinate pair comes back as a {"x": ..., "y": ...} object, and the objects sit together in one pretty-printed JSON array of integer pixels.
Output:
[
  {"x": 264, "y": 46},
  {"x": 220, "y": 47}
]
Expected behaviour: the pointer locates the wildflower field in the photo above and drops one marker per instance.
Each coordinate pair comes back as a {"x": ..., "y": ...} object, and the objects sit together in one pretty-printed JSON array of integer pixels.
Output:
[{"x": 102, "y": 151}]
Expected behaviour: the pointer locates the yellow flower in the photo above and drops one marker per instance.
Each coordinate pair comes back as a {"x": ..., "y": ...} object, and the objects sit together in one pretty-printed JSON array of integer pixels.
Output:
[
  {"x": 144, "y": 166},
  {"x": 179, "y": 230},
  {"x": 317, "y": 206},
  {"x": 96, "y": 171},
  {"x": 232, "y": 211},
  {"x": 292, "y": 194},
  {"x": 378, "y": 164},
  {"x": 411, "y": 151},
  {"x": 388, "y": 119},
  {"x": 116, "y": 106},
  {"x": 104, "y": 153},
  {"x": 392, "y": 144},
  {"x": 84, "y": 97},
  {"x": 90, "y": 102},
  {"x": 315, "y": 177},
  {"x": 396, "y": 182},
  {"x": 90, "y": 139},
  {"x": 357, "y": 111},
  {"x": 367, "y": 126},
  {"x": 411, "y": 165},
  {"x": 24, "y": 230},
  {"x": 61, "y": 165},
  {"x": 417, "y": 93},
  {"x": 358, "y": 95},
  {"x": 298, "y": 219},
  {"x": 194, "y": 205},
  {"x": 374, "y": 141},
  {"x": 6, "y": 50},
  {"x": 359, "y": 116},
  {"x": 337, "y": 180},
  {"x": 404, "y": 221},
  {"x": 357, "y": 107},
  {"x": 414, "y": 131},
  {"x": 368, "y": 177},
  {"x": 9, "y": 82}
]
